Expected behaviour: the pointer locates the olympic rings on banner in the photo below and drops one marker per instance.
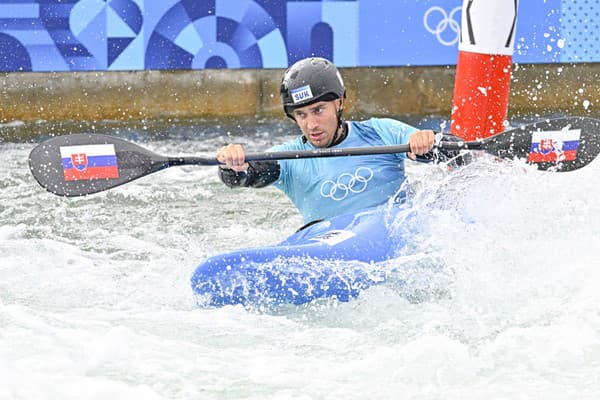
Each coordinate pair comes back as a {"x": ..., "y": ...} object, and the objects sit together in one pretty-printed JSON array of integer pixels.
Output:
[{"x": 446, "y": 22}]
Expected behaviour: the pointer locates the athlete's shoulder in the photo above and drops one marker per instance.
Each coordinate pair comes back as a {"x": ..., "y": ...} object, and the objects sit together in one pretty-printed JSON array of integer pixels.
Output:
[
  {"x": 387, "y": 124},
  {"x": 390, "y": 130}
]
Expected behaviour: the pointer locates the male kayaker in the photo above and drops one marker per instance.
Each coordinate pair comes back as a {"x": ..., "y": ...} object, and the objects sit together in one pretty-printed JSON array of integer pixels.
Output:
[{"x": 313, "y": 94}]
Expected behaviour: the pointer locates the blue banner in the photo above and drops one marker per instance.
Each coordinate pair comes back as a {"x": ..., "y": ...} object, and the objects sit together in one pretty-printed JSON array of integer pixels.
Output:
[{"x": 70, "y": 35}]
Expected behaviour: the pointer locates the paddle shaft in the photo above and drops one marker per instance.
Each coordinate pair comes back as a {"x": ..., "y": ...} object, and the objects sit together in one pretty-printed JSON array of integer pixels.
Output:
[
  {"x": 322, "y": 153},
  {"x": 292, "y": 155}
]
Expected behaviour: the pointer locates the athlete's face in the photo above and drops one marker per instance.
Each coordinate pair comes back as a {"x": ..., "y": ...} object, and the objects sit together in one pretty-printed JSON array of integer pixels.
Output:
[{"x": 318, "y": 122}]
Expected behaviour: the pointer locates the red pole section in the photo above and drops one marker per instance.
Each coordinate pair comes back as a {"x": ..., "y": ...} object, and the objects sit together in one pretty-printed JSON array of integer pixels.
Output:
[{"x": 483, "y": 71}]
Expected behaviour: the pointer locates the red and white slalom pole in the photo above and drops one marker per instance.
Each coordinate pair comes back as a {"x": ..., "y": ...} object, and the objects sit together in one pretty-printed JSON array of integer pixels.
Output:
[{"x": 483, "y": 72}]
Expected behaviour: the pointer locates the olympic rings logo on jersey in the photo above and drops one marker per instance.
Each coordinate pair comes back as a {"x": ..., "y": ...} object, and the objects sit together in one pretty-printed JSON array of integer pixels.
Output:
[
  {"x": 446, "y": 21},
  {"x": 347, "y": 183}
]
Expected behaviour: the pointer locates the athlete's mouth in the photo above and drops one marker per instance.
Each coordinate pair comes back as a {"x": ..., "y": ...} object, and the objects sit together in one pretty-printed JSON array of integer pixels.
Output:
[{"x": 316, "y": 135}]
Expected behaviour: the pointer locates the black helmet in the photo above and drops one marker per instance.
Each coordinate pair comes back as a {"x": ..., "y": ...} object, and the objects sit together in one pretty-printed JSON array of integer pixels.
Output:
[{"x": 308, "y": 81}]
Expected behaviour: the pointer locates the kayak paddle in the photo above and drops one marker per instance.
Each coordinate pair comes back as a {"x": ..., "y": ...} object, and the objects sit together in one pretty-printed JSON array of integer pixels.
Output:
[{"x": 81, "y": 164}]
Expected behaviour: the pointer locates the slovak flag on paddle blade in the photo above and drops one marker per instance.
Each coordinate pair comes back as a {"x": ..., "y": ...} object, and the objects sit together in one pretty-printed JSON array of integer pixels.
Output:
[
  {"x": 554, "y": 146},
  {"x": 86, "y": 162}
]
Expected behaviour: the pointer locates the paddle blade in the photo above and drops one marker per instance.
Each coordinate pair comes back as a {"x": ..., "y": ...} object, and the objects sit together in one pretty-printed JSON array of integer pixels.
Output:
[
  {"x": 80, "y": 164},
  {"x": 560, "y": 144}
]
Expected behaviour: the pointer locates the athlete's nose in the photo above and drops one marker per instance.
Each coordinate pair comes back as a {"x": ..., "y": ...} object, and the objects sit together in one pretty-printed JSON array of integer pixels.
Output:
[{"x": 311, "y": 122}]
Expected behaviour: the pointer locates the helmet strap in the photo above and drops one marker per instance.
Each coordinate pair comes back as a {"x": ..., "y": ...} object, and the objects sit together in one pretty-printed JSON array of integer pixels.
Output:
[
  {"x": 340, "y": 133},
  {"x": 339, "y": 117}
]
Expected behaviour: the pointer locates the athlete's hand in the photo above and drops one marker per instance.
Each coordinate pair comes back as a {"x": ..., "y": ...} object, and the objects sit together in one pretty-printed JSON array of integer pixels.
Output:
[
  {"x": 233, "y": 157},
  {"x": 420, "y": 142}
]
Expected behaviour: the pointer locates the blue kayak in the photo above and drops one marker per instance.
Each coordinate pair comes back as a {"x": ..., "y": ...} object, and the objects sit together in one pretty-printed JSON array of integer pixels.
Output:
[{"x": 336, "y": 258}]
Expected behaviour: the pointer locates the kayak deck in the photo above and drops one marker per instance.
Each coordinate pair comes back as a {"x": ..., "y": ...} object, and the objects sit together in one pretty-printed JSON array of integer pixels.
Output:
[{"x": 335, "y": 258}]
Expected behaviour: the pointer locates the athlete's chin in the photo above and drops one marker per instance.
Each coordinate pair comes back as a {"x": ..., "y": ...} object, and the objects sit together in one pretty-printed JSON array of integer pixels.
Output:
[{"x": 318, "y": 141}]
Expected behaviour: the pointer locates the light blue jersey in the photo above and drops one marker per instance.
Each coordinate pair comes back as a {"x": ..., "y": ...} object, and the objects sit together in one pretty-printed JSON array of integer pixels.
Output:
[{"x": 322, "y": 188}]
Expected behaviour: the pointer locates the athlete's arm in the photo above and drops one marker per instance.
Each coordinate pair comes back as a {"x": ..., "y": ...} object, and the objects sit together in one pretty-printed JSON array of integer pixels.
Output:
[
  {"x": 440, "y": 154},
  {"x": 258, "y": 174},
  {"x": 237, "y": 172}
]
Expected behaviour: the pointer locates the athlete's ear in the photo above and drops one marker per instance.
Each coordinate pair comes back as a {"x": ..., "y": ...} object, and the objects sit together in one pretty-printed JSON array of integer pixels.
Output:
[{"x": 341, "y": 104}]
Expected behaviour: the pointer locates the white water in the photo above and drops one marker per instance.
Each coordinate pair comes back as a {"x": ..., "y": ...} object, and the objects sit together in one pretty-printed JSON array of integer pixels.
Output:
[{"x": 95, "y": 300}]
